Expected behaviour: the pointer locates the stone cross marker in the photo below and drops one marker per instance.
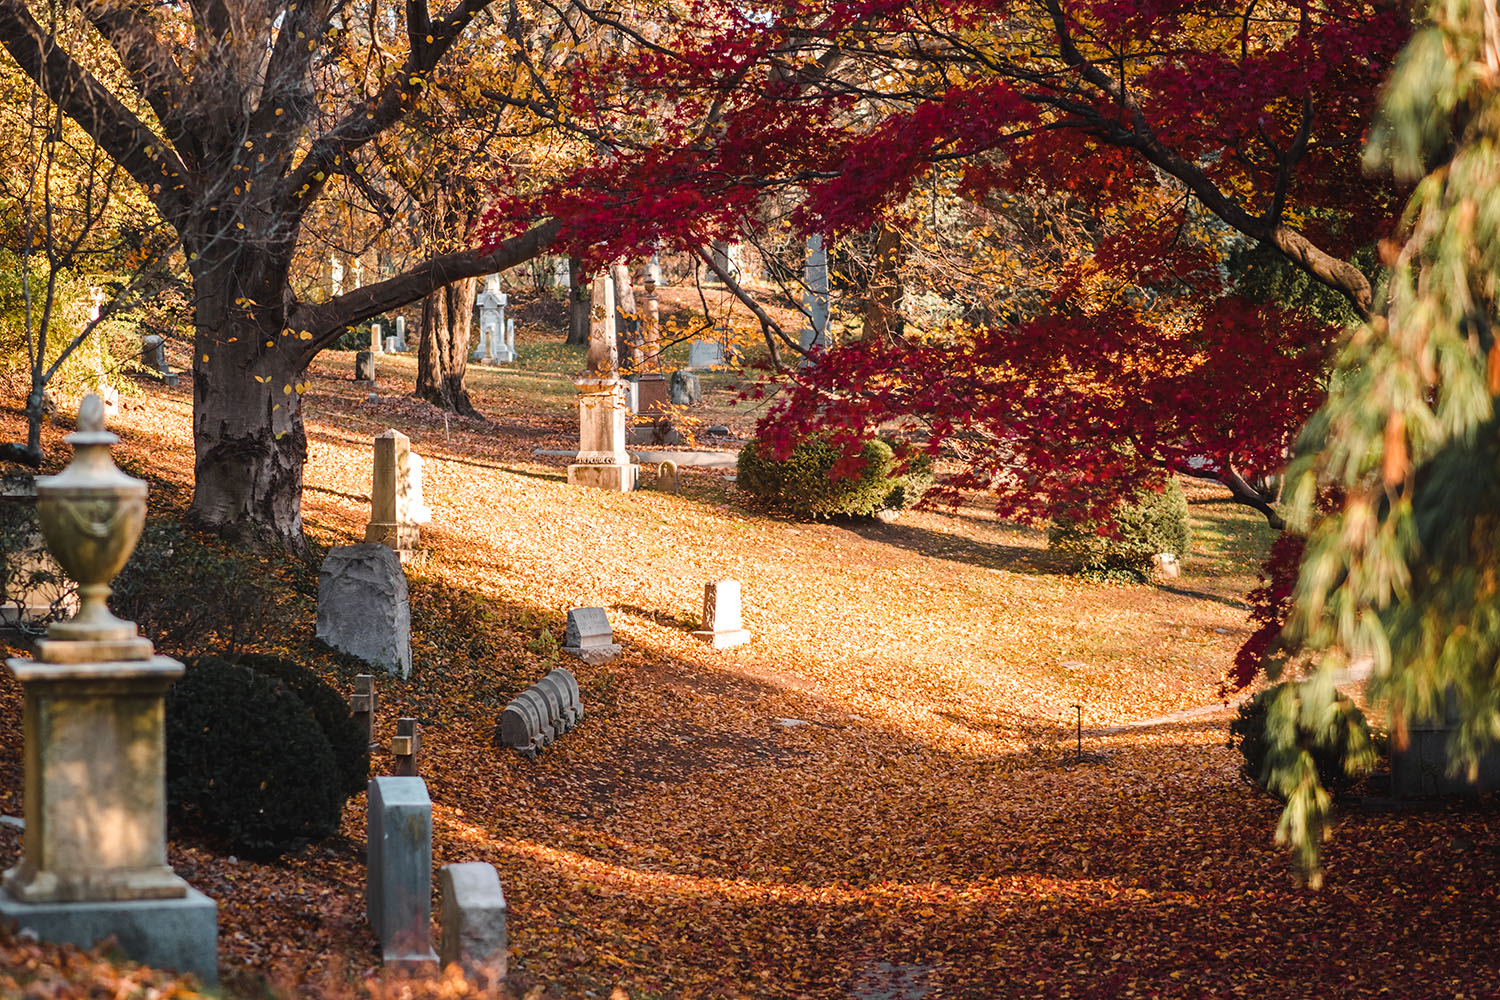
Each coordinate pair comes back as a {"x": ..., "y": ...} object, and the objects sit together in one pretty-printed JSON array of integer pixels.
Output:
[
  {"x": 396, "y": 504},
  {"x": 363, "y": 705},
  {"x": 589, "y": 636},
  {"x": 474, "y": 934},
  {"x": 398, "y": 877},
  {"x": 722, "y": 627},
  {"x": 491, "y": 302},
  {"x": 407, "y": 747}
]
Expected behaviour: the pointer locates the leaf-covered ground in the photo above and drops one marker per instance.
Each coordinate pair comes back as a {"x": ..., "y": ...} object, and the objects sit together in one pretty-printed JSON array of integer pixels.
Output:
[{"x": 875, "y": 798}]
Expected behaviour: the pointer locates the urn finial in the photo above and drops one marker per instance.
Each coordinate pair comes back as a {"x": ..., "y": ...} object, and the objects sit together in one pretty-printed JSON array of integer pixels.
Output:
[{"x": 92, "y": 515}]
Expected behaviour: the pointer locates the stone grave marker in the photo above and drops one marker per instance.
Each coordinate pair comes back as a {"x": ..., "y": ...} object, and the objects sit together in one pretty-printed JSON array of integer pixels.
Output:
[
  {"x": 363, "y": 608},
  {"x": 666, "y": 476},
  {"x": 363, "y": 705},
  {"x": 397, "y": 508},
  {"x": 474, "y": 933},
  {"x": 684, "y": 389},
  {"x": 401, "y": 334},
  {"x": 815, "y": 298},
  {"x": 722, "y": 627},
  {"x": 602, "y": 461},
  {"x": 589, "y": 636},
  {"x": 398, "y": 875},
  {"x": 364, "y": 366},
  {"x": 406, "y": 746},
  {"x": 705, "y": 354},
  {"x": 541, "y": 713},
  {"x": 390, "y": 346}
]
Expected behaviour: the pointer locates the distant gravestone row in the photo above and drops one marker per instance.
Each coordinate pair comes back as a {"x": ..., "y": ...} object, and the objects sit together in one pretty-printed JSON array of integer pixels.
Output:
[{"x": 537, "y": 716}]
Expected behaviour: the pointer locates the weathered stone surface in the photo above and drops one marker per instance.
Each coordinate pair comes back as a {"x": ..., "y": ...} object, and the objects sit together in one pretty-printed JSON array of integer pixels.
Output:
[
  {"x": 363, "y": 607},
  {"x": 722, "y": 626},
  {"x": 398, "y": 886},
  {"x": 541, "y": 713},
  {"x": 364, "y": 366},
  {"x": 397, "y": 507},
  {"x": 666, "y": 477},
  {"x": 1166, "y": 566},
  {"x": 705, "y": 354},
  {"x": 589, "y": 636},
  {"x": 180, "y": 934},
  {"x": 474, "y": 917},
  {"x": 684, "y": 388},
  {"x": 602, "y": 461}
]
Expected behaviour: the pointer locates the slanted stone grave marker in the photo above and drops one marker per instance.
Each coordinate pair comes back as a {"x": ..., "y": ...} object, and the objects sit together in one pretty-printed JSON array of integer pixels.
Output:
[
  {"x": 541, "y": 713},
  {"x": 589, "y": 636}
]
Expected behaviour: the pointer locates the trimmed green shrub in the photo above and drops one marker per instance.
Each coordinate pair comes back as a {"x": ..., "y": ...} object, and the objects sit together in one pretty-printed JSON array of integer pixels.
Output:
[
  {"x": 1341, "y": 750},
  {"x": 803, "y": 483},
  {"x": 350, "y": 744},
  {"x": 248, "y": 760},
  {"x": 1150, "y": 522}
]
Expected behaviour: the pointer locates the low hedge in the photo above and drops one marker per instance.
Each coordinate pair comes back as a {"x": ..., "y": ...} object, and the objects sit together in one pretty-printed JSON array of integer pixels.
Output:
[
  {"x": 1152, "y": 521},
  {"x": 803, "y": 483}
]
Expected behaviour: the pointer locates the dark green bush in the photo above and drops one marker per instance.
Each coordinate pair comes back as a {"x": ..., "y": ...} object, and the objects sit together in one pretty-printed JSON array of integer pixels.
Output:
[
  {"x": 350, "y": 743},
  {"x": 1341, "y": 750},
  {"x": 1150, "y": 522},
  {"x": 803, "y": 483},
  {"x": 248, "y": 760}
]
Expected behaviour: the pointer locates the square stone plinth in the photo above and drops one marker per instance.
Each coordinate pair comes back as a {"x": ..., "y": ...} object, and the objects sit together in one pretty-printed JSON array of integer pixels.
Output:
[
  {"x": 724, "y": 639},
  {"x": 619, "y": 478},
  {"x": 95, "y": 794},
  {"x": 179, "y": 934}
]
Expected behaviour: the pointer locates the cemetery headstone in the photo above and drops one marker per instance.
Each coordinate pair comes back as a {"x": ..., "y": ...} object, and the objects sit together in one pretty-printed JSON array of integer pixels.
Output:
[
  {"x": 474, "y": 933},
  {"x": 363, "y": 705},
  {"x": 589, "y": 636},
  {"x": 722, "y": 625},
  {"x": 363, "y": 608},
  {"x": 544, "y": 711},
  {"x": 705, "y": 354},
  {"x": 684, "y": 389},
  {"x": 364, "y": 366},
  {"x": 391, "y": 346},
  {"x": 406, "y": 747},
  {"x": 397, "y": 507},
  {"x": 401, "y": 334},
  {"x": 377, "y": 339},
  {"x": 491, "y": 303},
  {"x": 666, "y": 476},
  {"x": 602, "y": 461},
  {"x": 94, "y": 863},
  {"x": 398, "y": 876}
]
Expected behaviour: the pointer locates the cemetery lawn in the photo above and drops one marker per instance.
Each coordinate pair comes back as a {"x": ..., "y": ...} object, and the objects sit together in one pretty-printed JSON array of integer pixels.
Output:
[{"x": 879, "y": 796}]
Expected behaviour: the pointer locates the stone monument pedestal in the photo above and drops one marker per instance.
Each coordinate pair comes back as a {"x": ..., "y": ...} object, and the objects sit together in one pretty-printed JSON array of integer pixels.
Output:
[
  {"x": 602, "y": 460},
  {"x": 94, "y": 856}
]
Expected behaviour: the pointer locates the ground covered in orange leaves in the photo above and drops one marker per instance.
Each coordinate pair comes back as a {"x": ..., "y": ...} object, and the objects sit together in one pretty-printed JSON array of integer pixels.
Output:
[{"x": 878, "y": 797}]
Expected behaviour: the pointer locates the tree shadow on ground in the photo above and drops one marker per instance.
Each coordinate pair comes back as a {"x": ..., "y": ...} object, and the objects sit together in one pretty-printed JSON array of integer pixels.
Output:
[{"x": 957, "y": 548}]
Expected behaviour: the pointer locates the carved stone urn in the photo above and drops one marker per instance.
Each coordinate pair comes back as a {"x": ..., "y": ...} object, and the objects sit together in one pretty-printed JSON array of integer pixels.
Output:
[{"x": 92, "y": 515}]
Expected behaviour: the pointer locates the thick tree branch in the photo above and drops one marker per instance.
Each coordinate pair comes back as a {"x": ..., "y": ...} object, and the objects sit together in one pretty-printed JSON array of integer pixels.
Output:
[
  {"x": 326, "y": 321},
  {"x": 84, "y": 99},
  {"x": 768, "y": 326}
]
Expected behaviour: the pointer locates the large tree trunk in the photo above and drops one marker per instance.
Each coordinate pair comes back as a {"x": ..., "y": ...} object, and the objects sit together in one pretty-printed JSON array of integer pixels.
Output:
[
  {"x": 578, "y": 303},
  {"x": 883, "y": 319},
  {"x": 248, "y": 438},
  {"x": 443, "y": 351}
]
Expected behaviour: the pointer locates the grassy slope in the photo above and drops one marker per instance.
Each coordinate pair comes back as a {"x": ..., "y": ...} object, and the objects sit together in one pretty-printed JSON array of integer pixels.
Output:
[{"x": 684, "y": 842}]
